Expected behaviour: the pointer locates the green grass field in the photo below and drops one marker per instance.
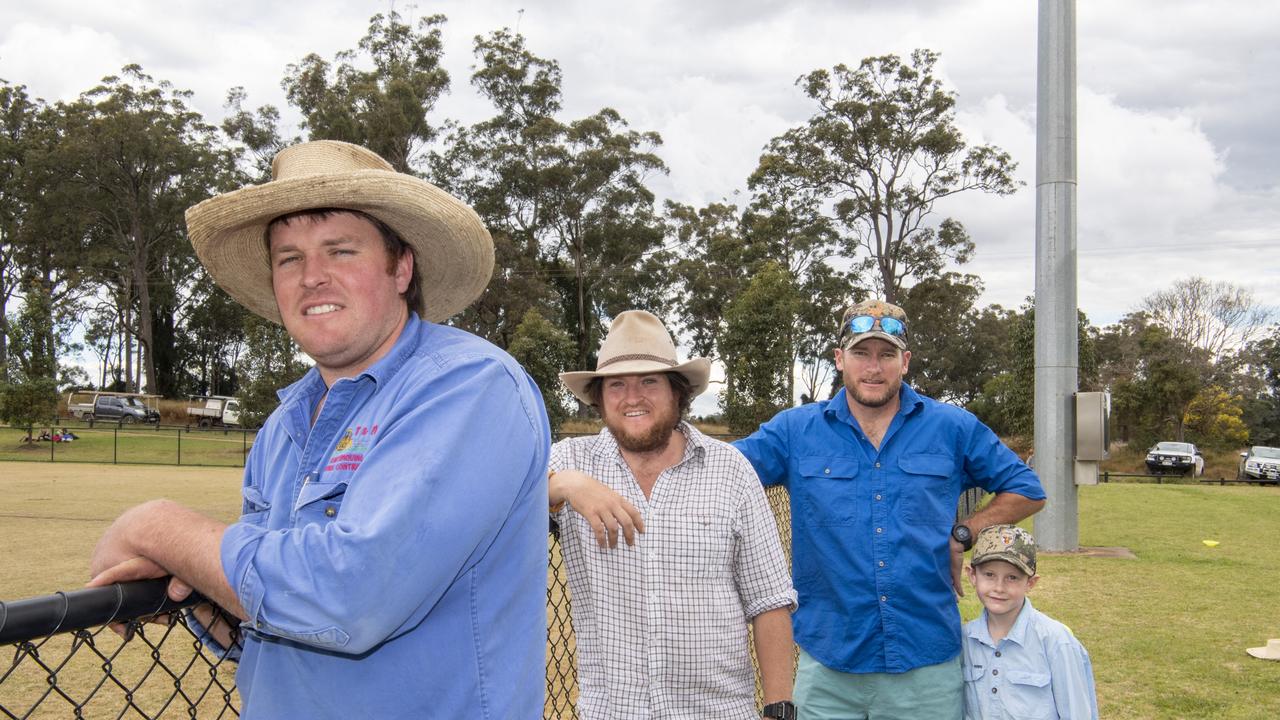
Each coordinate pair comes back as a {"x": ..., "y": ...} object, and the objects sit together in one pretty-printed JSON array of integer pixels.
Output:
[{"x": 1167, "y": 631}]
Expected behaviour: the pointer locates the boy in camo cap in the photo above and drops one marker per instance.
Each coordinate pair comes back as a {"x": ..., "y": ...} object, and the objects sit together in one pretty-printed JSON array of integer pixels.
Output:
[{"x": 1019, "y": 662}]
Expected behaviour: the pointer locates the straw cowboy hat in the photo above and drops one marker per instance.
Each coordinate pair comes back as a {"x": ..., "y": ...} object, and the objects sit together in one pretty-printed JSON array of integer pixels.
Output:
[
  {"x": 1271, "y": 651},
  {"x": 453, "y": 250},
  {"x": 638, "y": 344}
]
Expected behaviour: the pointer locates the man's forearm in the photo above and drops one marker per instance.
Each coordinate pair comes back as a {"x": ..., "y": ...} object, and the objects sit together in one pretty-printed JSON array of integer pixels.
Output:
[
  {"x": 183, "y": 542},
  {"x": 1004, "y": 508},
  {"x": 775, "y": 652}
]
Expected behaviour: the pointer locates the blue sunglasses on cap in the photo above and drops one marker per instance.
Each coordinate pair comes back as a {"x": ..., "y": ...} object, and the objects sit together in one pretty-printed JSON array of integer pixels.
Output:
[{"x": 864, "y": 323}]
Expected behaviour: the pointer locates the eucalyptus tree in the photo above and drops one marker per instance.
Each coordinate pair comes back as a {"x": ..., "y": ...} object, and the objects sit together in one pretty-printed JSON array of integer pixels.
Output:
[
  {"x": 568, "y": 201},
  {"x": 135, "y": 157},
  {"x": 881, "y": 151},
  {"x": 18, "y": 114},
  {"x": 1218, "y": 316},
  {"x": 500, "y": 167},
  {"x": 380, "y": 95}
]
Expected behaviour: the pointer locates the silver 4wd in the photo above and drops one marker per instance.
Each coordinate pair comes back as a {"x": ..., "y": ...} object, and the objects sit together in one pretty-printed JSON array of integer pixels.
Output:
[
  {"x": 1260, "y": 464},
  {"x": 1176, "y": 458}
]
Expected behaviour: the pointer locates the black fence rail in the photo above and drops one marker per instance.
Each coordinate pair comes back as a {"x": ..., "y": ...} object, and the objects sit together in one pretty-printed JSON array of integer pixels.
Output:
[
  {"x": 127, "y": 443},
  {"x": 66, "y": 663}
]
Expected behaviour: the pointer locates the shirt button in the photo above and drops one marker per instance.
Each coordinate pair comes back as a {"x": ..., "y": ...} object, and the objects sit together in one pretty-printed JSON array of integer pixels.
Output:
[
  {"x": 884, "y": 598},
  {"x": 330, "y": 511},
  {"x": 827, "y": 471},
  {"x": 879, "y": 530},
  {"x": 994, "y": 691},
  {"x": 997, "y": 653},
  {"x": 877, "y": 464},
  {"x": 877, "y": 497},
  {"x": 995, "y": 672},
  {"x": 881, "y": 563}
]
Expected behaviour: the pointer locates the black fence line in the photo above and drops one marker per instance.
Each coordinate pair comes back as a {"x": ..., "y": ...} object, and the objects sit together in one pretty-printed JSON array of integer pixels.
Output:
[{"x": 133, "y": 429}]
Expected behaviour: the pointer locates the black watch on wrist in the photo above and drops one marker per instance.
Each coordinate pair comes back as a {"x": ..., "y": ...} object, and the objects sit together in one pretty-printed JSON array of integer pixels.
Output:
[
  {"x": 782, "y": 710},
  {"x": 963, "y": 535}
]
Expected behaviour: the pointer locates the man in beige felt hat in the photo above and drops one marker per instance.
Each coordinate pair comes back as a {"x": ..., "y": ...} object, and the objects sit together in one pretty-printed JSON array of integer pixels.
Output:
[
  {"x": 388, "y": 562},
  {"x": 662, "y": 624}
]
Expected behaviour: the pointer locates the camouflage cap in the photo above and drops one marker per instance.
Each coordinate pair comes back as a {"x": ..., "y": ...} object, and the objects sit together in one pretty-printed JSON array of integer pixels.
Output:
[
  {"x": 878, "y": 309},
  {"x": 1006, "y": 542}
]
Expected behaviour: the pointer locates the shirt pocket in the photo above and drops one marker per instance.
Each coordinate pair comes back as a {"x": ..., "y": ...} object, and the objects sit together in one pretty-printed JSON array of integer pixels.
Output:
[
  {"x": 696, "y": 547},
  {"x": 828, "y": 490},
  {"x": 927, "y": 496},
  {"x": 1029, "y": 695},
  {"x": 319, "y": 502},
  {"x": 255, "y": 508}
]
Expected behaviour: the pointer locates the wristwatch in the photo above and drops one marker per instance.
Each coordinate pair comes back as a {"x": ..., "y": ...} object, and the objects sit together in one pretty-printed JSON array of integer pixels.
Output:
[
  {"x": 784, "y": 710},
  {"x": 963, "y": 535}
]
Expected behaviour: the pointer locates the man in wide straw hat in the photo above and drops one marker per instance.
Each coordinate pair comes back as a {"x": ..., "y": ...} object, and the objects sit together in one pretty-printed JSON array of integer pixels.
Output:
[
  {"x": 390, "y": 559},
  {"x": 662, "y": 625}
]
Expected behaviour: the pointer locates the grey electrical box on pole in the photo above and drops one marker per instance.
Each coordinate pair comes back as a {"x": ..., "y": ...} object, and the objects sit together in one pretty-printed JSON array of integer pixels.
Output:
[{"x": 1056, "y": 342}]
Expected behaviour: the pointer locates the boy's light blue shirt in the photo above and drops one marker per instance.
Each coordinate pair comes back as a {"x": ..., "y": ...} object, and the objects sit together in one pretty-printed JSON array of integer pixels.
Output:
[
  {"x": 1039, "y": 671},
  {"x": 392, "y": 555}
]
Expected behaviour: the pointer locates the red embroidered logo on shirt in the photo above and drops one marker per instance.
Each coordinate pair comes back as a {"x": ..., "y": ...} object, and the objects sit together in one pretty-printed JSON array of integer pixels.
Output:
[{"x": 350, "y": 450}]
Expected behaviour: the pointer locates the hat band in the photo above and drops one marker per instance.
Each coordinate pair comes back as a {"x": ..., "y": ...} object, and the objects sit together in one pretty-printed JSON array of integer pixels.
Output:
[{"x": 635, "y": 356}]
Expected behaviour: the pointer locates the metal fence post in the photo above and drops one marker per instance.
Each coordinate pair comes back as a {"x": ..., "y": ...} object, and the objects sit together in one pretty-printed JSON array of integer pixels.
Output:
[
  {"x": 115, "y": 445},
  {"x": 179, "y": 446}
]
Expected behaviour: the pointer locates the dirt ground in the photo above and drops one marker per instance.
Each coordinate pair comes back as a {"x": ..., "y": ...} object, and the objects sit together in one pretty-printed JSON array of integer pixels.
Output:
[{"x": 52, "y": 514}]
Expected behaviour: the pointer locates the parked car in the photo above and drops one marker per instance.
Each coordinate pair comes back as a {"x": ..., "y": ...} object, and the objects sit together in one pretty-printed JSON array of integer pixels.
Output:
[
  {"x": 88, "y": 405},
  {"x": 121, "y": 409},
  {"x": 213, "y": 410},
  {"x": 1181, "y": 458},
  {"x": 1260, "y": 463}
]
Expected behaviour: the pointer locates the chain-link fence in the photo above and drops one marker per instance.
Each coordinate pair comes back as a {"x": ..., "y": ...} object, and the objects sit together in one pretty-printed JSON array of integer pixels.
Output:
[
  {"x": 66, "y": 663},
  {"x": 123, "y": 651}
]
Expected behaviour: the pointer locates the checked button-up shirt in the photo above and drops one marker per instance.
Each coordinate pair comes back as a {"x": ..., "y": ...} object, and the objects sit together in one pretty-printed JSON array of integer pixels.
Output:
[{"x": 661, "y": 626}]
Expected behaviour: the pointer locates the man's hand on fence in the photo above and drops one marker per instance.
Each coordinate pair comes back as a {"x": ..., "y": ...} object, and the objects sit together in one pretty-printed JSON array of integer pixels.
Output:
[
  {"x": 135, "y": 568},
  {"x": 607, "y": 512}
]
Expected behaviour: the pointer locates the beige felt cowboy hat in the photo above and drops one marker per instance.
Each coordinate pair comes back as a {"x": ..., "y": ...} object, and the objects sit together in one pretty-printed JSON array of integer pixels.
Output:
[
  {"x": 1270, "y": 651},
  {"x": 453, "y": 250},
  {"x": 638, "y": 344}
]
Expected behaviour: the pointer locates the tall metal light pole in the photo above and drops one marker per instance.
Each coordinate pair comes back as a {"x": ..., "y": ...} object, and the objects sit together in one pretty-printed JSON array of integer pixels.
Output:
[{"x": 1057, "y": 343}]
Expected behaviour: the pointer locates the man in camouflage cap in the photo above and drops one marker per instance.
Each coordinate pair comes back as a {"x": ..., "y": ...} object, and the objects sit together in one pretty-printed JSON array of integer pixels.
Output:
[{"x": 874, "y": 475}]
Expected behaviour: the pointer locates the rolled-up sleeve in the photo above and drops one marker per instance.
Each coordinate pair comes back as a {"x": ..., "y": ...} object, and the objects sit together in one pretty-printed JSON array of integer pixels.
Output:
[{"x": 418, "y": 513}]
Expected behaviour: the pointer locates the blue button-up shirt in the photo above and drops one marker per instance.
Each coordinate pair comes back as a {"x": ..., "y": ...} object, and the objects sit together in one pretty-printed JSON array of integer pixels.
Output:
[
  {"x": 1039, "y": 671},
  {"x": 870, "y": 528},
  {"x": 392, "y": 556}
]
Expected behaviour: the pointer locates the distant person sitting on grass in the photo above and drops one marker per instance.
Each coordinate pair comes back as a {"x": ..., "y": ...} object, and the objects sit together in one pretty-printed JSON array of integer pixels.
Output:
[
  {"x": 1019, "y": 662},
  {"x": 68, "y": 436}
]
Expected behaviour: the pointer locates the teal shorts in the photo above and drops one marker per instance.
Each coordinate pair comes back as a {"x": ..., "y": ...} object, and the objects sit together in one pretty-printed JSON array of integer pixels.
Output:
[{"x": 932, "y": 692}]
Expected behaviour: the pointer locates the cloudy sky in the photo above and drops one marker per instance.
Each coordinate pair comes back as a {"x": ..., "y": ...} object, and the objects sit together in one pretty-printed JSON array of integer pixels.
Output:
[{"x": 1177, "y": 99}]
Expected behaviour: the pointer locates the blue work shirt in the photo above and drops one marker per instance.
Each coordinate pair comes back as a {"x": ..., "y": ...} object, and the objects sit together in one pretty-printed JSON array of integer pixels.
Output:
[
  {"x": 871, "y": 528},
  {"x": 1039, "y": 671},
  {"x": 392, "y": 557}
]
